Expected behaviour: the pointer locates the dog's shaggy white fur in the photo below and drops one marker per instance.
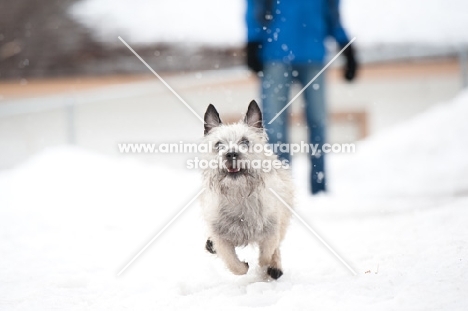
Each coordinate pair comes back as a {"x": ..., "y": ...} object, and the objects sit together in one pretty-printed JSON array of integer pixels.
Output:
[{"x": 238, "y": 206}]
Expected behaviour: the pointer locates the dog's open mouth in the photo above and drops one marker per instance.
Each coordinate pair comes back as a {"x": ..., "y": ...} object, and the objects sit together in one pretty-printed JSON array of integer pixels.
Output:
[{"x": 233, "y": 169}]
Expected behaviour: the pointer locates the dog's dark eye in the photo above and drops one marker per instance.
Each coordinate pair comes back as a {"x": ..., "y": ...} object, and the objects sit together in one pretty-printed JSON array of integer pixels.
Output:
[
  {"x": 244, "y": 142},
  {"x": 220, "y": 146}
]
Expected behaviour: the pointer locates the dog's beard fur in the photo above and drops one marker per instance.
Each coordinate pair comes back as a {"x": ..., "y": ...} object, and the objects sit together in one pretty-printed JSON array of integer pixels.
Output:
[{"x": 238, "y": 206}]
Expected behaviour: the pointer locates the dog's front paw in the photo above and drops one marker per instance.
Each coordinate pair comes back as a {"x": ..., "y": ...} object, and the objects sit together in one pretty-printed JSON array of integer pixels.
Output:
[
  {"x": 240, "y": 269},
  {"x": 275, "y": 273}
]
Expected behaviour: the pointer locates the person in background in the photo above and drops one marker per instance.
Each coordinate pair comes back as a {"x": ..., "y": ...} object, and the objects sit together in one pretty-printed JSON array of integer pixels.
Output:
[{"x": 286, "y": 43}]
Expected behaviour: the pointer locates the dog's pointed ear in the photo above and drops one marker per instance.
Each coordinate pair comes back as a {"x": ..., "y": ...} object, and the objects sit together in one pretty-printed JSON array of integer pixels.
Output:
[
  {"x": 212, "y": 119},
  {"x": 253, "y": 116}
]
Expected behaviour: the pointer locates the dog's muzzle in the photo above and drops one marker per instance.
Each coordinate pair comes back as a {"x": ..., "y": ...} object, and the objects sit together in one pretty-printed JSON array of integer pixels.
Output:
[{"x": 231, "y": 162}]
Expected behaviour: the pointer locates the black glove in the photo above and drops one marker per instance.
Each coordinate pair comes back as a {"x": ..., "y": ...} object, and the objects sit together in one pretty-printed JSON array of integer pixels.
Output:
[
  {"x": 351, "y": 65},
  {"x": 254, "y": 61}
]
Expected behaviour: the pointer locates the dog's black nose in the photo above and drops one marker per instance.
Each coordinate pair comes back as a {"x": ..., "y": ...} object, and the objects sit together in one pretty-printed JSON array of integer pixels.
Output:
[{"x": 231, "y": 155}]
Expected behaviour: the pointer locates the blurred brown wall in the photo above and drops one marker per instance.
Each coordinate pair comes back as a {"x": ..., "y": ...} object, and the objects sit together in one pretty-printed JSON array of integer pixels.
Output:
[{"x": 39, "y": 38}]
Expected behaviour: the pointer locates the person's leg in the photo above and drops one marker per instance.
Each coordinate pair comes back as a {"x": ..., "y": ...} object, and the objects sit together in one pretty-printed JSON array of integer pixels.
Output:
[
  {"x": 316, "y": 116},
  {"x": 276, "y": 83}
]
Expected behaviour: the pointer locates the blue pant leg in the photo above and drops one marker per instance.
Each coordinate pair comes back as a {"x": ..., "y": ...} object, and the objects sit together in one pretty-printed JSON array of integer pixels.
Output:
[
  {"x": 316, "y": 116},
  {"x": 276, "y": 83}
]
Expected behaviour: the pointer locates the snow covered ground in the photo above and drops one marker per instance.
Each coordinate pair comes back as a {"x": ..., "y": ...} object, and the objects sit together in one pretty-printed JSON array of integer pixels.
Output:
[
  {"x": 71, "y": 219},
  {"x": 439, "y": 22}
]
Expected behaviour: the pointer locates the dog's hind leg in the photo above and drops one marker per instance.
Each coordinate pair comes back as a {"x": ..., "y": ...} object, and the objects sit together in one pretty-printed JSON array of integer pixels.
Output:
[
  {"x": 270, "y": 257},
  {"x": 275, "y": 270},
  {"x": 227, "y": 252}
]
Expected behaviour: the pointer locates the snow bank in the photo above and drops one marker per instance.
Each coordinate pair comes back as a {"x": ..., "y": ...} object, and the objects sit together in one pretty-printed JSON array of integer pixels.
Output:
[
  {"x": 425, "y": 156},
  {"x": 222, "y": 22}
]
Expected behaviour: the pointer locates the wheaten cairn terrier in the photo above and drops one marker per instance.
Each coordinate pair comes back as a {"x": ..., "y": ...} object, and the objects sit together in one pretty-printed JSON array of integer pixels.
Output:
[{"x": 238, "y": 205}]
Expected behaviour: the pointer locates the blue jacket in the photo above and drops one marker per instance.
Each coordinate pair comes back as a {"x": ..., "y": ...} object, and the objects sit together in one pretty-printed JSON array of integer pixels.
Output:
[{"x": 294, "y": 31}]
